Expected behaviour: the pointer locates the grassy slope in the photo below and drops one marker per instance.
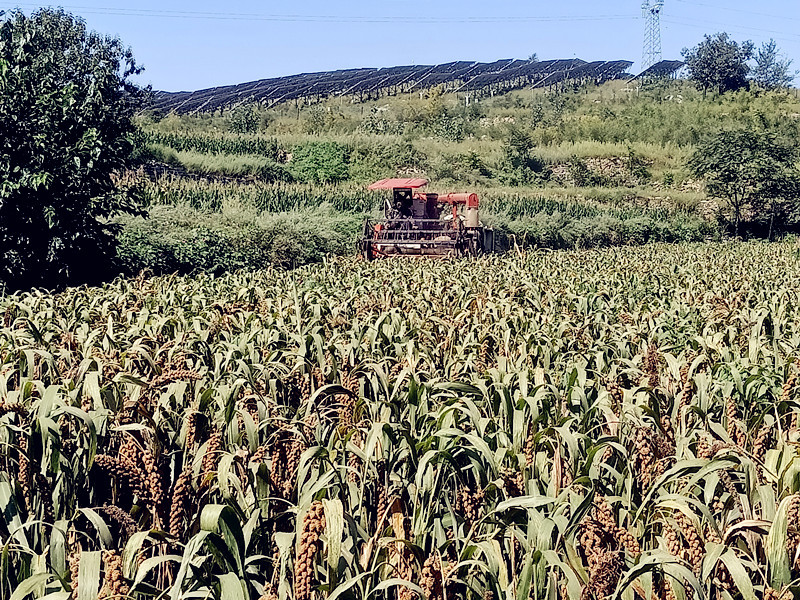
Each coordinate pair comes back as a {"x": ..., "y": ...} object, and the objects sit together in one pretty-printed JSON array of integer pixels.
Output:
[
  {"x": 458, "y": 147},
  {"x": 661, "y": 124}
]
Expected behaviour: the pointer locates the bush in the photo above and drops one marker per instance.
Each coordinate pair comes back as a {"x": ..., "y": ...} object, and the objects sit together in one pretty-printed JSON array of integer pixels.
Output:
[
  {"x": 519, "y": 165},
  {"x": 320, "y": 162},
  {"x": 464, "y": 169},
  {"x": 180, "y": 239},
  {"x": 377, "y": 124},
  {"x": 369, "y": 161},
  {"x": 594, "y": 232},
  {"x": 448, "y": 127},
  {"x": 542, "y": 230},
  {"x": 637, "y": 166},
  {"x": 582, "y": 175},
  {"x": 640, "y": 230}
]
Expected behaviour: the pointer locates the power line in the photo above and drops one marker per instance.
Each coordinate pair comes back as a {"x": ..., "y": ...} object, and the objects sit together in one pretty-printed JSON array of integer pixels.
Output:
[
  {"x": 740, "y": 10},
  {"x": 740, "y": 28},
  {"x": 300, "y": 18}
]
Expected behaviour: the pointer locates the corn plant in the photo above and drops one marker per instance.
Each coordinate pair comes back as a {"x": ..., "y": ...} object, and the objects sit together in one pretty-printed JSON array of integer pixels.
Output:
[{"x": 241, "y": 144}]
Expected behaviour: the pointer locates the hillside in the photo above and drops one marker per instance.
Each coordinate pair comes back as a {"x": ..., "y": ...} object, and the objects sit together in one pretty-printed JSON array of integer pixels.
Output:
[{"x": 580, "y": 165}]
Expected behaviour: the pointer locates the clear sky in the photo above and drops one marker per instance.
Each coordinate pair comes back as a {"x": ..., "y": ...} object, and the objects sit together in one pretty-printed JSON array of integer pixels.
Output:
[{"x": 188, "y": 45}]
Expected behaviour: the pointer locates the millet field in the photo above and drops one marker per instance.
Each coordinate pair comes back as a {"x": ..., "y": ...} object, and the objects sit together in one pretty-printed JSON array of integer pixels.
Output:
[{"x": 614, "y": 423}]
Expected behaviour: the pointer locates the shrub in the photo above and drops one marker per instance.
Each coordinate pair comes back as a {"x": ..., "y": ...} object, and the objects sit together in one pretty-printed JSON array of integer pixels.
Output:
[
  {"x": 244, "y": 119},
  {"x": 637, "y": 166},
  {"x": 378, "y": 124},
  {"x": 180, "y": 239},
  {"x": 580, "y": 173},
  {"x": 593, "y": 232},
  {"x": 448, "y": 127},
  {"x": 519, "y": 165},
  {"x": 369, "y": 161},
  {"x": 320, "y": 162}
]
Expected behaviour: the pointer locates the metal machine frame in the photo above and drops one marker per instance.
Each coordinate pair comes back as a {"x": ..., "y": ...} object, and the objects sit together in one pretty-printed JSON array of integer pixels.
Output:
[{"x": 421, "y": 224}]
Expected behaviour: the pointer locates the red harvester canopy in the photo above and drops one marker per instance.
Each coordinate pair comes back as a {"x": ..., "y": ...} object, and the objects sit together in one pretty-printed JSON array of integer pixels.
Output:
[{"x": 391, "y": 184}]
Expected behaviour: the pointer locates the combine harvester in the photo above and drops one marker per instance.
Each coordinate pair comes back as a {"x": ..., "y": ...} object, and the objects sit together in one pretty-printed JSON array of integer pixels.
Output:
[{"x": 421, "y": 224}]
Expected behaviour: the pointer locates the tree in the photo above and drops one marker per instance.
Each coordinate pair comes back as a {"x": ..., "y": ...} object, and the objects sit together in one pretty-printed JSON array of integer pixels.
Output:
[
  {"x": 520, "y": 166},
  {"x": 66, "y": 132},
  {"x": 719, "y": 63},
  {"x": 749, "y": 170},
  {"x": 244, "y": 119},
  {"x": 772, "y": 70}
]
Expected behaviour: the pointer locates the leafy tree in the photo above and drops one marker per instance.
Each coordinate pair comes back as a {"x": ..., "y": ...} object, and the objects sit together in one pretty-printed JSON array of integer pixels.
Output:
[
  {"x": 750, "y": 170},
  {"x": 244, "y": 119},
  {"x": 772, "y": 70},
  {"x": 520, "y": 165},
  {"x": 719, "y": 63},
  {"x": 66, "y": 109}
]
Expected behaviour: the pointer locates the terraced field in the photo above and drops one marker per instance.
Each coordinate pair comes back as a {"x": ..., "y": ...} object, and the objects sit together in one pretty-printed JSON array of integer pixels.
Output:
[{"x": 590, "y": 424}]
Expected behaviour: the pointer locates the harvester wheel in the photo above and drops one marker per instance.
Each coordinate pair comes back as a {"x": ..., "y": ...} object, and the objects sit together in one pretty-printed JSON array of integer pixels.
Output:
[{"x": 367, "y": 252}]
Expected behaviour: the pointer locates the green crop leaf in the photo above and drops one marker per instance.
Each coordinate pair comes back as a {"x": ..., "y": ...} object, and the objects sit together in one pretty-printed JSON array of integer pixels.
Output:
[
  {"x": 778, "y": 558},
  {"x": 89, "y": 575}
]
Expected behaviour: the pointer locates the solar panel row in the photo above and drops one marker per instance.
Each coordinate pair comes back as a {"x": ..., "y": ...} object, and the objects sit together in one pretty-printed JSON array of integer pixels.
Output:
[
  {"x": 461, "y": 76},
  {"x": 665, "y": 68}
]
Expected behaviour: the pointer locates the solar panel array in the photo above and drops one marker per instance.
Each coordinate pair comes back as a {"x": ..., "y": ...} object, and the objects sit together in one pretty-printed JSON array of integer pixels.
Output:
[
  {"x": 462, "y": 76},
  {"x": 665, "y": 68}
]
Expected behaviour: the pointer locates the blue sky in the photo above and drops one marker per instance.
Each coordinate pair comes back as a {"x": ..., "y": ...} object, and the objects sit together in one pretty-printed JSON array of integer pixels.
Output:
[{"x": 187, "y": 45}]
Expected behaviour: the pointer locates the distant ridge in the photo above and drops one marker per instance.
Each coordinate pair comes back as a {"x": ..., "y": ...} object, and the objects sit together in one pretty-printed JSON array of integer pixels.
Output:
[{"x": 463, "y": 76}]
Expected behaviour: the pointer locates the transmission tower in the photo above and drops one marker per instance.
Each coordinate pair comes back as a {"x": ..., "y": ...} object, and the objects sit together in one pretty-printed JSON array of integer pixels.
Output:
[{"x": 651, "y": 51}]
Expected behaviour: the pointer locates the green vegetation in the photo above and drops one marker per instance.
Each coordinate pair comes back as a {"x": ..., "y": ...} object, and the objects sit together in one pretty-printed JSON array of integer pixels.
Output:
[
  {"x": 719, "y": 63},
  {"x": 226, "y": 225},
  {"x": 568, "y": 167},
  {"x": 772, "y": 70},
  {"x": 618, "y": 420},
  {"x": 180, "y": 239},
  {"x": 66, "y": 109},
  {"x": 750, "y": 170},
  {"x": 320, "y": 162},
  {"x": 239, "y": 165},
  {"x": 583, "y": 167},
  {"x": 508, "y": 427}
]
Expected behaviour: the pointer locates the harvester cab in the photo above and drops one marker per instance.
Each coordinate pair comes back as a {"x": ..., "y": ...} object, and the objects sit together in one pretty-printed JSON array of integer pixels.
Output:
[{"x": 422, "y": 224}]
